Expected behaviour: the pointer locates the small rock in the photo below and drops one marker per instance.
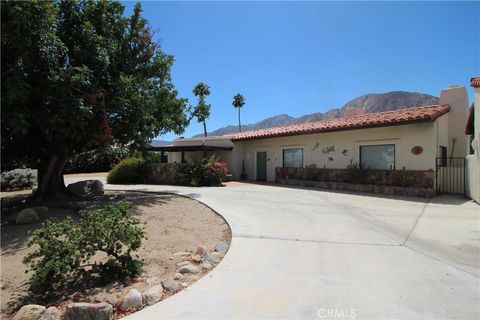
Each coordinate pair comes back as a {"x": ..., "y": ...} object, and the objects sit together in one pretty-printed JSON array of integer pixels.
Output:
[
  {"x": 52, "y": 313},
  {"x": 152, "y": 280},
  {"x": 87, "y": 311},
  {"x": 153, "y": 295},
  {"x": 206, "y": 265},
  {"x": 170, "y": 285},
  {"x": 221, "y": 247},
  {"x": 132, "y": 299},
  {"x": 208, "y": 257},
  {"x": 183, "y": 263},
  {"x": 184, "y": 284},
  {"x": 178, "y": 276},
  {"x": 188, "y": 269},
  {"x": 182, "y": 253},
  {"x": 27, "y": 216},
  {"x": 40, "y": 210},
  {"x": 191, "y": 278},
  {"x": 30, "y": 311},
  {"x": 196, "y": 258},
  {"x": 200, "y": 250}
]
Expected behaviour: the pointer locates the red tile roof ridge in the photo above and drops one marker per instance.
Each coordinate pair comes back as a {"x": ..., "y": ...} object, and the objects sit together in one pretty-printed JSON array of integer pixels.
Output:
[{"x": 378, "y": 119}]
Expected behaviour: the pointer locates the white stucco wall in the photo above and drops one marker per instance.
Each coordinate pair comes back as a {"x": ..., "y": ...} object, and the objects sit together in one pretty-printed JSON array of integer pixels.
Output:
[
  {"x": 404, "y": 137},
  {"x": 473, "y": 160}
]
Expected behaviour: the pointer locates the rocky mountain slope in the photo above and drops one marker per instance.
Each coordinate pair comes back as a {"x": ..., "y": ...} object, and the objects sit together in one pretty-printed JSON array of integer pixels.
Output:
[{"x": 369, "y": 103}]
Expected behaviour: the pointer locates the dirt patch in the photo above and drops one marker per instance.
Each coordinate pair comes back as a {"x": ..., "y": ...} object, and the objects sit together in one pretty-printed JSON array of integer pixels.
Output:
[{"x": 173, "y": 224}]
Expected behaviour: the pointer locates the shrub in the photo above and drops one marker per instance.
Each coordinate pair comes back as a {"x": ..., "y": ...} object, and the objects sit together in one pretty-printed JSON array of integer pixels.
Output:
[
  {"x": 100, "y": 160},
  {"x": 206, "y": 172},
  {"x": 63, "y": 249},
  {"x": 357, "y": 173},
  {"x": 129, "y": 170},
  {"x": 19, "y": 179}
]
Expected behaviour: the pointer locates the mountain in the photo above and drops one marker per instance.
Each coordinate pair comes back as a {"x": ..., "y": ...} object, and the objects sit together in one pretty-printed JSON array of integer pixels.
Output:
[
  {"x": 159, "y": 143},
  {"x": 275, "y": 121},
  {"x": 375, "y": 102},
  {"x": 368, "y": 103}
]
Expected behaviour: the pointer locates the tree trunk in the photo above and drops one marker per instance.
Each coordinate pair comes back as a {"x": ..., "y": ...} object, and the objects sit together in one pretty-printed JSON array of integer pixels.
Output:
[
  {"x": 51, "y": 183},
  {"x": 239, "y": 123},
  {"x": 205, "y": 128}
]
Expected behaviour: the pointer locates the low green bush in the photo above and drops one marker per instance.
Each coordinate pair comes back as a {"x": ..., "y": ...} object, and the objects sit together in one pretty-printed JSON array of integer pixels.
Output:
[
  {"x": 18, "y": 179},
  {"x": 100, "y": 160},
  {"x": 129, "y": 170},
  {"x": 64, "y": 249}
]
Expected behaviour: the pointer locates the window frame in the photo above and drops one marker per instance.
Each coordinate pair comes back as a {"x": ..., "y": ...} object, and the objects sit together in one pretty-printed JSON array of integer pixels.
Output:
[
  {"x": 377, "y": 145},
  {"x": 283, "y": 157}
]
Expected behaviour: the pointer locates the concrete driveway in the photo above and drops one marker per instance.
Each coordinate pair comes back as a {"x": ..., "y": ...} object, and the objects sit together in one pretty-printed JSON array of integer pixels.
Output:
[{"x": 299, "y": 253}]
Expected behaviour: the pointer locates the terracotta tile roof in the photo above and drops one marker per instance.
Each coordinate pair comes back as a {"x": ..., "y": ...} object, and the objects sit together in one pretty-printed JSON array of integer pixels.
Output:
[
  {"x": 380, "y": 119},
  {"x": 475, "y": 82}
]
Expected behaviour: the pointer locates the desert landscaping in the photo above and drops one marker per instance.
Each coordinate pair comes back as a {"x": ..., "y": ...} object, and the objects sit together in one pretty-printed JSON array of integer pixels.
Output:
[{"x": 184, "y": 240}]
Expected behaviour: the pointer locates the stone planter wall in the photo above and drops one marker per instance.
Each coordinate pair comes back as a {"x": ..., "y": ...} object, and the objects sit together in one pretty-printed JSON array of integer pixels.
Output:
[
  {"x": 165, "y": 173},
  {"x": 399, "y": 182}
]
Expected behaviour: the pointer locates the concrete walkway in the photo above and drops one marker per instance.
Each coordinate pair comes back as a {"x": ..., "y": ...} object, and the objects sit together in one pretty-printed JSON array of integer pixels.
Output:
[{"x": 299, "y": 253}]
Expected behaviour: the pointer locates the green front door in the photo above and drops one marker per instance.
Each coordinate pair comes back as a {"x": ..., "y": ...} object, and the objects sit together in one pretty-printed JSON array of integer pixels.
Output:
[{"x": 262, "y": 166}]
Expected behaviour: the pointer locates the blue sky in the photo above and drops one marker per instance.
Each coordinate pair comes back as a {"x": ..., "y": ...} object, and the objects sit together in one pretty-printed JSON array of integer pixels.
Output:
[{"x": 304, "y": 57}]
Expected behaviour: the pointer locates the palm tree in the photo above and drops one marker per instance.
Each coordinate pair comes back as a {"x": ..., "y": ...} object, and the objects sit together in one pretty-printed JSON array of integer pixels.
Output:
[
  {"x": 202, "y": 111},
  {"x": 238, "y": 102}
]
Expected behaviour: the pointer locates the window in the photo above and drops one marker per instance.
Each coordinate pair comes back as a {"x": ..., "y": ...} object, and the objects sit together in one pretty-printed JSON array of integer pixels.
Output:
[
  {"x": 443, "y": 156},
  {"x": 378, "y": 157},
  {"x": 293, "y": 158}
]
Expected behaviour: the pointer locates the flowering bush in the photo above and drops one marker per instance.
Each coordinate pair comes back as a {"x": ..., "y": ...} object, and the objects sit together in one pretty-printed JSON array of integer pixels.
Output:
[{"x": 207, "y": 172}]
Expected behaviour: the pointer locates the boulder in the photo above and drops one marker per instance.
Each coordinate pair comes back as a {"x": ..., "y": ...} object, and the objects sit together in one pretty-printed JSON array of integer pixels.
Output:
[
  {"x": 178, "y": 276},
  {"x": 221, "y": 247},
  {"x": 132, "y": 299},
  {"x": 30, "y": 312},
  {"x": 52, "y": 313},
  {"x": 153, "y": 295},
  {"x": 206, "y": 265},
  {"x": 196, "y": 258},
  {"x": 189, "y": 268},
  {"x": 170, "y": 285},
  {"x": 27, "y": 216},
  {"x": 40, "y": 210},
  {"x": 200, "y": 250},
  {"x": 86, "y": 187},
  {"x": 208, "y": 257},
  {"x": 88, "y": 311}
]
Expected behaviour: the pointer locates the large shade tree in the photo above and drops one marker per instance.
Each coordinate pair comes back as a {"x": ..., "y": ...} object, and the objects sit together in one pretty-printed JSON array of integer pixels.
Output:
[
  {"x": 77, "y": 75},
  {"x": 238, "y": 103},
  {"x": 202, "y": 110}
]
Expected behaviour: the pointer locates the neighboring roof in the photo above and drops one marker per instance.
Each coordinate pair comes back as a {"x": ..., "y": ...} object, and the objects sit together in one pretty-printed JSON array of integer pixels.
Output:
[
  {"x": 173, "y": 148},
  {"x": 475, "y": 82},
  {"x": 380, "y": 119},
  {"x": 469, "y": 128}
]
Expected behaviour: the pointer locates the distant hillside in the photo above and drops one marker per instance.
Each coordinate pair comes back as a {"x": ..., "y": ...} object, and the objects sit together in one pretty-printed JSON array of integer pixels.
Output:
[
  {"x": 275, "y": 121},
  {"x": 369, "y": 103},
  {"x": 159, "y": 143}
]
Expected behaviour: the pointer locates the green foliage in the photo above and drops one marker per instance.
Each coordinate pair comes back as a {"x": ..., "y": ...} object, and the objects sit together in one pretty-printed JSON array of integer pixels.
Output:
[
  {"x": 99, "y": 160},
  {"x": 206, "y": 172},
  {"x": 19, "y": 179},
  {"x": 129, "y": 170},
  {"x": 202, "y": 110},
  {"x": 77, "y": 76},
  {"x": 238, "y": 102},
  {"x": 64, "y": 249}
]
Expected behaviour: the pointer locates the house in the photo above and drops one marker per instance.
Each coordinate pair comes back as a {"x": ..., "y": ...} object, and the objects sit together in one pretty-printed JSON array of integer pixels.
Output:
[
  {"x": 426, "y": 139},
  {"x": 473, "y": 130}
]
